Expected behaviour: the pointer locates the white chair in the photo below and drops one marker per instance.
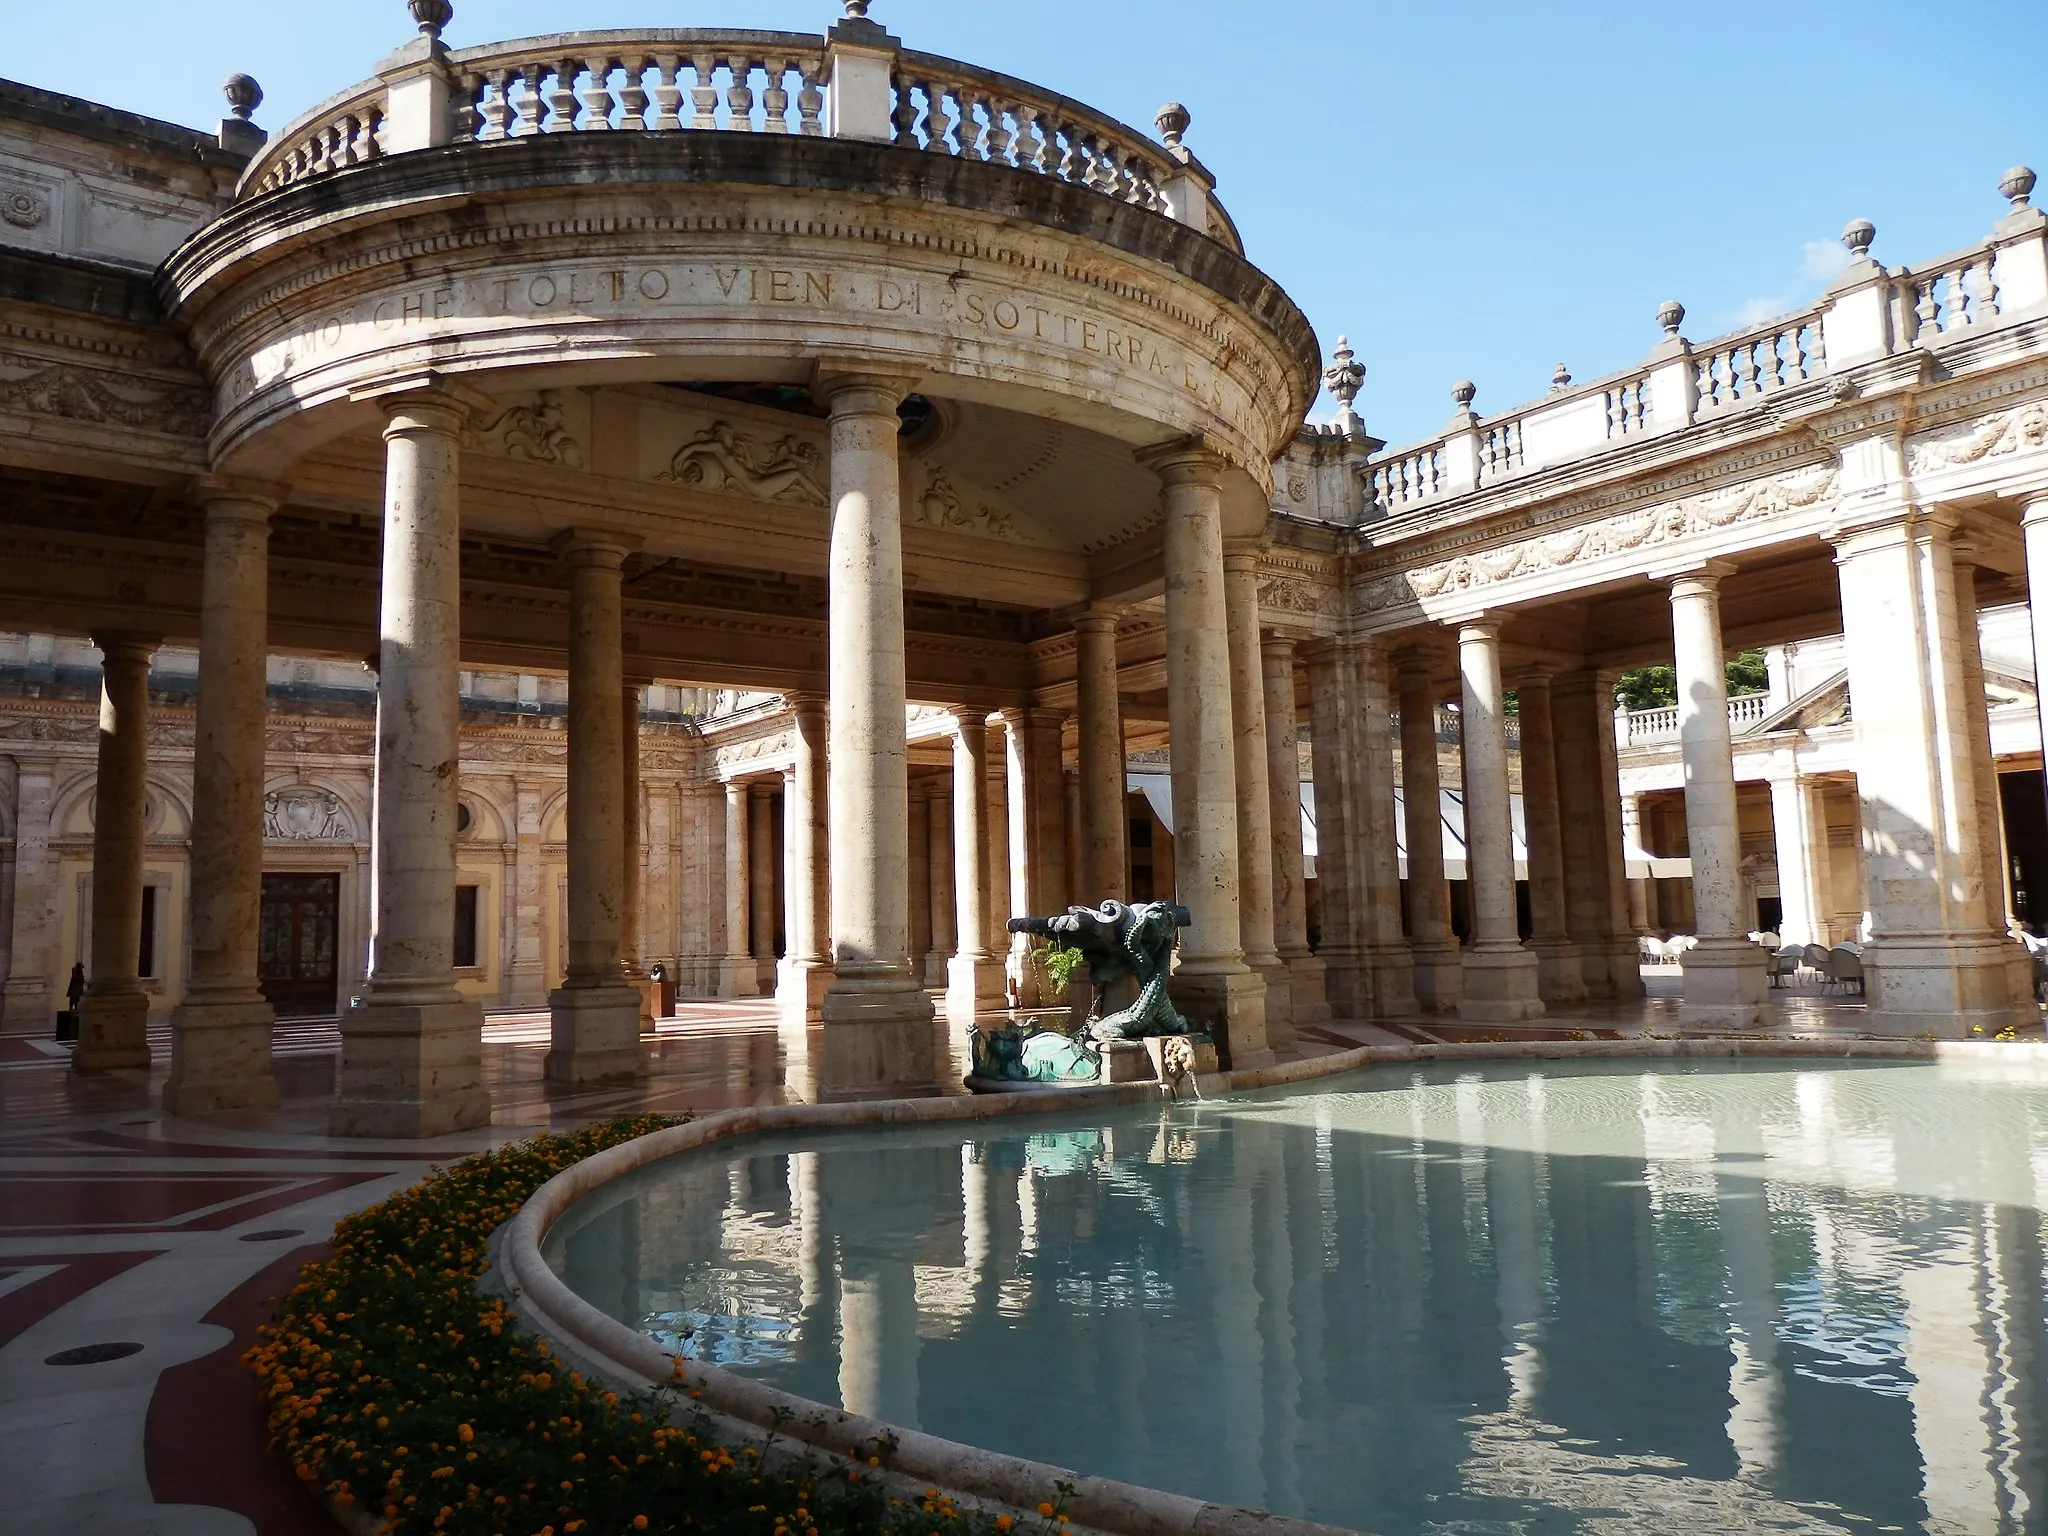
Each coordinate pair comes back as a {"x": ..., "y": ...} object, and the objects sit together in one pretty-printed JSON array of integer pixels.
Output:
[{"x": 1845, "y": 968}]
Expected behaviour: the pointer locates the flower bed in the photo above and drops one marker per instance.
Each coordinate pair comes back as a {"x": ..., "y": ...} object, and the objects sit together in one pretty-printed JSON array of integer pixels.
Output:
[{"x": 397, "y": 1391}]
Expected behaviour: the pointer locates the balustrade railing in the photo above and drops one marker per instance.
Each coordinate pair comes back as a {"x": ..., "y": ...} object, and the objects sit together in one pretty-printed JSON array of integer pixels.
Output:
[
  {"x": 1738, "y": 370},
  {"x": 1644, "y": 727},
  {"x": 681, "y": 80},
  {"x": 1404, "y": 481},
  {"x": 1949, "y": 295}
]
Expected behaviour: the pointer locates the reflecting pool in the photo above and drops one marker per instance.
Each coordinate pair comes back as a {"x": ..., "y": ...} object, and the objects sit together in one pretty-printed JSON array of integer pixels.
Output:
[{"x": 1698, "y": 1298}]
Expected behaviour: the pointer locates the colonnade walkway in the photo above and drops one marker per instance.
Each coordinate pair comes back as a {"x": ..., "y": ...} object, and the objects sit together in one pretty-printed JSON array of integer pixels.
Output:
[{"x": 118, "y": 1225}]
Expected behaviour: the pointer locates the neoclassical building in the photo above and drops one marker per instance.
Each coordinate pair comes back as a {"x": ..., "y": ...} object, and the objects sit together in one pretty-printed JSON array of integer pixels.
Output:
[{"x": 774, "y": 505}]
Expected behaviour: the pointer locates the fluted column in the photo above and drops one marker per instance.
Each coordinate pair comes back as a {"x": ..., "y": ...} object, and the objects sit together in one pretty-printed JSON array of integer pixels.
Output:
[
  {"x": 411, "y": 1054},
  {"x": 974, "y": 976},
  {"x": 1306, "y": 997},
  {"x": 113, "y": 1018},
  {"x": 1213, "y": 984},
  {"x": 945, "y": 909},
  {"x": 878, "y": 1035},
  {"x": 220, "y": 1031},
  {"x": 596, "y": 1011},
  {"x": 1254, "y": 789},
  {"x": 1439, "y": 966},
  {"x": 806, "y": 966},
  {"x": 1724, "y": 975},
  {"x": 1500, "y": 975},
  {"x": 1558, "y": 977},
  {"x": 1104, "y": 864},
  {"x": 739, "y": 977},
  {"x": 761, "y": 885}
]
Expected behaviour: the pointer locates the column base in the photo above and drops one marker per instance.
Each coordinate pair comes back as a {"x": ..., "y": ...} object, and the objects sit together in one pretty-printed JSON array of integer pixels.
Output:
[
  {"x": 935, "y": 964},
  {"x": 650, "y": 998},
  {"x": 879, "y": 1041},
  {"x": 975, "y": 984},
  {"x": 526, "y": 988},
  {"x": 1231, "y": 1004},
  {"x": 1624, "y": 967},
  {"x": 738, "y": 976},
  {"x": 1560, "y": 975},
  {"x": 411, "y": 1070},
  {"x": 1393, "y": 982},
  {"x": 1311, "y": 1005},
  {"x": 1953, "y": 989},
  {"x": 800, "y": 990},
  {"x": 1500, "y": 986},
  {"x": 1439, "y": 975},
  {"x": 220, "y": 1058},
  {"x": 113, "y": 1033},
  {"x": 1347, "y": 983},
  {"x": 1279, "y": 980},
  {"x": 596, "y": 1034},
  {"x": 26, "y": 1006},
  {"x": 1724, "y": 985}
]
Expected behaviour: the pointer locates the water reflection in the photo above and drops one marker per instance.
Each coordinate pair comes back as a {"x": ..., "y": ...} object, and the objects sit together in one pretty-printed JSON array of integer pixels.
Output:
[{"x": 1470, "y": 1300}]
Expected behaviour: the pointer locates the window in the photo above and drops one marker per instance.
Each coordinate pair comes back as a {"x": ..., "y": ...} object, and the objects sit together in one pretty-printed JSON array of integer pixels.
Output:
[{"x": 465, "y": 927}]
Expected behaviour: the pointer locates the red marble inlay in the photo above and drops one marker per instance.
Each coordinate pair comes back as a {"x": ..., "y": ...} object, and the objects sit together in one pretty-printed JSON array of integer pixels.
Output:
[
  {"x": 81, "y": 1272},
  {"x": 98, "y": 1201}
]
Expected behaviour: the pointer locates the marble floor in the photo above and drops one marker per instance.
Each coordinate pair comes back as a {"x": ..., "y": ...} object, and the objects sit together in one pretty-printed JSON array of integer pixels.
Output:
[{"x": 139, "y": 1253}]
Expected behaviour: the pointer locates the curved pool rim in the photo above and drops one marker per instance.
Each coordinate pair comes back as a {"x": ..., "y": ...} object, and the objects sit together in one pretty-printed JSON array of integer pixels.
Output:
[{"x": 630, "y": 1359}]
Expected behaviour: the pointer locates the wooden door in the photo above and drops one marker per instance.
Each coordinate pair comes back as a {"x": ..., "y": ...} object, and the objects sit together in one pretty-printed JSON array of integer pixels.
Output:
[{"x": 296, "y": 949}]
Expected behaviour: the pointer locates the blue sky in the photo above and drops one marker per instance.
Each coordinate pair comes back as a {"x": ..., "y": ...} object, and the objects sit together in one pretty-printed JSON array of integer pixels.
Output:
[{"x": 1476, "y": 190}]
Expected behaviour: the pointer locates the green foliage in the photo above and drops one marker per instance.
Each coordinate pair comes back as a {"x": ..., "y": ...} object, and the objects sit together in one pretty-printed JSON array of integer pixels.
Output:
[
  {"x": 393, "y": 1386},
  {"x": 1060, "y": 965},
  {"x": 1657, "y": 687}
]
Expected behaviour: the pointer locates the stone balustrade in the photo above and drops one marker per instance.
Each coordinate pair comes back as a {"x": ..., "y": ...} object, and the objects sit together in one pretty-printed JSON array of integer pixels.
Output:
[
  {"x": 1870, "y": 312},
  {"x": 1650, "y": 727},
  {"x": 853, "y": 82}
]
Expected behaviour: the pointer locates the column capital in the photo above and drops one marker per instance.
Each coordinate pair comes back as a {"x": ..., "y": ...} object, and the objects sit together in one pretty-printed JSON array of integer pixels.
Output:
[
  {"x": 1244, "y": 553},
  {"x": 1277, "y": 644},
  {"x": 1190, "y": 460},
  {"x": 1479, "y": 627},
  {"x": 803, "y": 702},
  {"x": 755, "y": 789},
  {"x": 583, "y": 547},
  {"x": 967, "y": 717},
  {"x": 236, "y": 496},
  {"x": 1699, "y": 579},
  {"x": 1101, "y": 618},
  {"x": 860, "y": 393},
  {"x": 126, "y": 644}
]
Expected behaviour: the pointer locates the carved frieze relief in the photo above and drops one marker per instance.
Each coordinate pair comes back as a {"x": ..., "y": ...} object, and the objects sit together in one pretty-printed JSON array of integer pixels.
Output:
[
  {"x": 1278, "y": 594},
  {"x": 539, "y": 432},
  {"x": 1627, "y": 533},
  {"x": 82, "y": 394},
  {"x": 942, "y": 507},
  {"x": 306, "y": 814},
  {"x": 724, "y": 459},
  {"x": 1969, "y": 442}
]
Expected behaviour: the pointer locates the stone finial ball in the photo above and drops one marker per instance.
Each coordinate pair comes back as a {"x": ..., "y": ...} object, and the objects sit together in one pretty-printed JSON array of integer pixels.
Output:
[
  {"x": 1462, "y": 392},
  {"x": 243, "y": 93},
  {"x": 1858, "y": 236},
  {"x": 1671, "y": 315},
  {"x": 856, "y": 10},
  {"x": 1172, "y": 121},
  {"x": 1560, "y": 376},
  {"x": 2017, "y": 185},
  {"x": 432, "y": 15}
]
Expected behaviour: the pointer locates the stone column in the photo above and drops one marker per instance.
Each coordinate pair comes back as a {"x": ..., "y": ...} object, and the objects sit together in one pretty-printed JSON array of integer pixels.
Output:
[
  {"x": 1500, "y": 975},
  {"x": 806, "y": 967},
  {"x": 1589, "y": 803},
  {"x": 878, "y": 1035},
  {"x": 411, "y": 1054},
  {"x": 1306, "y": 997},
  {"x": 596, "y": 1011},
  {"x": 1255, "y": 920},
  {"x": 1632, "y": 841},
  {"x": 974, "y": 976},
  {"x": 1983, "y": 776},
  {"x": 220, "y": 1030},
  {"x": 1439, "y": 968},
  {"x": 920, "y": 833},
  {"x": 35, "y": 986},
  {"x": 738, "y": 975},
  {"x": 1725, "y": 974},
  {"x": 527, "y": 982},
  {"x": 633, "y": 865},
  {"x": 1213, "y": 985},
  {"x": 1104, "y": 863},
  {"x": 945, "y": 907},
  {"x": 1340, "y": 876},
  {"x": 1800, "y": 830},
  {"x": 761, "y": 885},
  {"x": 1623, "y": 956},
  {"x": 1558, "y": 978},
  {"x": 113, "y": 1019},
  {"x": 1386, "y": 947},
  {"x": 1933, "y": 962},
  {"x": 1045, "y": 822}
]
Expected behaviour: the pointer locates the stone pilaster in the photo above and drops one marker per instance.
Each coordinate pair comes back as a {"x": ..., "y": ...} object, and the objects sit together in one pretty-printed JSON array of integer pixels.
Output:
[
  {"x": 805, "y": 969},
  {"x": 411, "y": 1053},
  {"x": 1500, "y": 974},
  {"x": 1213, "y": 984},
  {"x": 1932, "y": 962},
  {"x": 878, "y": 1021},
  {"x": 1256, "y": 927},
  {"x": 761, "y": 886},
  {"x": 526, "y": 983},
  {"x": 945, "y": 907},
  {"x": 737, "y": 976},
  {"x": 1104, "y": 825},
  {"x": 596, "y": 1011},
  {"x": 1558, "y": 977},
  {"x": 221, "y": 1028},
  {"x": 1439, "y": 967},
  {"x": 974, "y": 976},
  {"x": 1306, "y": 998},
  {"x": 34, "y": 991},
  {"x": 1724, "y": 974},
  {"x": 113, "y": 1019}
]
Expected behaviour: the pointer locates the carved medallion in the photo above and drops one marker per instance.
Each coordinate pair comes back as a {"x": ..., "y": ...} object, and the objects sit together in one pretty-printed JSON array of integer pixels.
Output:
[
  {"x": 22, "y": 206},
  {"x": 305, "y": 814}
]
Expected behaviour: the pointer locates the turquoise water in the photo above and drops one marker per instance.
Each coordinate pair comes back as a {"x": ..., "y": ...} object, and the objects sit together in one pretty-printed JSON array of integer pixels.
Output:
[{"x": 1699, "y": 1299}]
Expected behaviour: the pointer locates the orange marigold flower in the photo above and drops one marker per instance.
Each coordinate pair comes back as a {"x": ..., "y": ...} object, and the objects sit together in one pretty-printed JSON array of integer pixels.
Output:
[{"x": 1045, "y": 1510}]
